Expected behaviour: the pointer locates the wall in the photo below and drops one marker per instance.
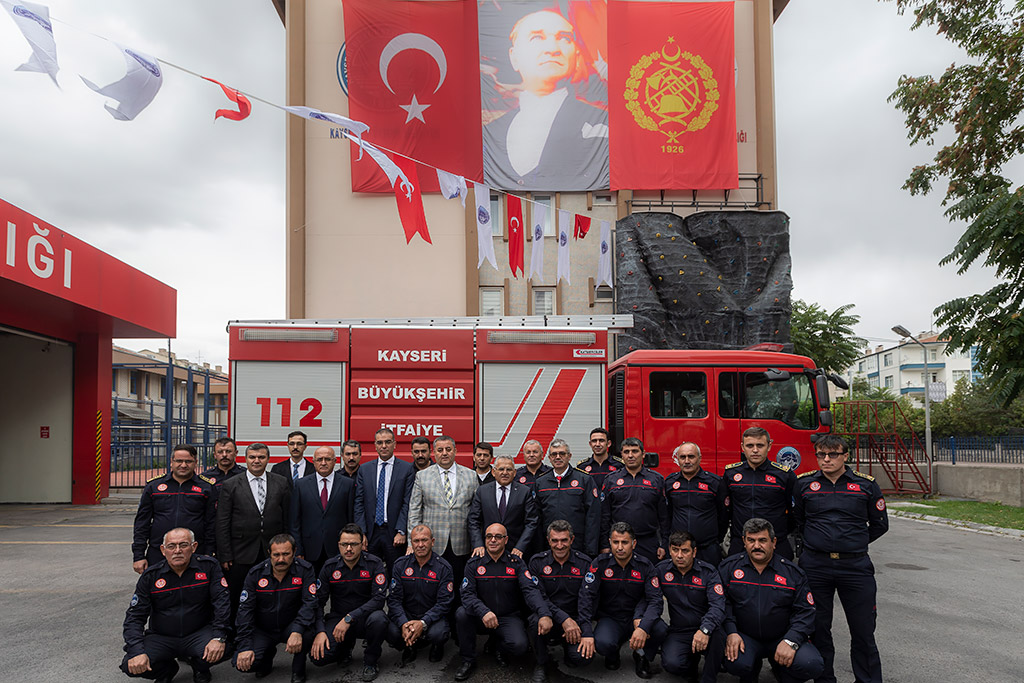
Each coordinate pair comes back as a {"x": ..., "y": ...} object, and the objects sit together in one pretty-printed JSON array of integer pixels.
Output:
[
  {"x": 988, "y": 483},
  {"x": 37, "y": 381}
]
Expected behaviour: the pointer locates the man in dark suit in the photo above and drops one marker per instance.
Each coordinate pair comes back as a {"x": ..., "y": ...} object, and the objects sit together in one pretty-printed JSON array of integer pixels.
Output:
[
  {"x": 506, "y": 502},
  {"x": 383, "y": 487},
  {"x": 251, "y": 509},
  {"x": 296, "y": 466},
  {"x": 321, "y": 506}
]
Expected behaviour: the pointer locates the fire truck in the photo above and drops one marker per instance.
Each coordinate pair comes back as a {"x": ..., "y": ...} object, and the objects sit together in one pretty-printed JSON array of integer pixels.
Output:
[{"x": 509, "y": 380}]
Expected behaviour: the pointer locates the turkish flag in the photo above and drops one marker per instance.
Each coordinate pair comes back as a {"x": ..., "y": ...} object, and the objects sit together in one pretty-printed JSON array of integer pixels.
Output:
[
  {"x": 672, "y": 95},
  {"x": 410, "y": 203},
  {"x": 581, "y": 226},
  {"x": 515, "y": 233},
  {"x": 414, "y": 78},
  {"x": 244, "y": 105}
]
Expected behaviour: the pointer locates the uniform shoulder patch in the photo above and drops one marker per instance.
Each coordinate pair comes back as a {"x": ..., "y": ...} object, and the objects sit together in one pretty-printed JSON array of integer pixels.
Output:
[
  {"x": 805, "y": 474},
  {"x": 159, "y": 476},
  {"x": 866, "y": 476},
  {"x": 778, "y": 466},
  {"x": 206, "y": 479},
  {"x": 735, "y": 464}
]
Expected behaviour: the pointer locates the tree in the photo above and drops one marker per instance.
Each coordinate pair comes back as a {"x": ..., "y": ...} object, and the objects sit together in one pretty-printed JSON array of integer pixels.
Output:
[
  {"x": 826, "y": 338},
  {"x": 982, "y": 103}
]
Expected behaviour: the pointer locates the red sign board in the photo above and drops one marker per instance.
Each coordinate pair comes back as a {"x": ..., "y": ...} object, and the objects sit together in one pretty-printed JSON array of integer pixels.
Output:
[
  {"x": 412, "y": 349},
  {"x": 44, "y": 432}
]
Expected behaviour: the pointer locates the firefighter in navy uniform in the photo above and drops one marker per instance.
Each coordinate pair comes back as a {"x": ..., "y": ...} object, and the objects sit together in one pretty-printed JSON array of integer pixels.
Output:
[
  {"x": 566, "y": 493},
  {"x": 769, "y": 611},
  {"x": 840, "y": 512},
  {"x": 421, "y": 595},
  {"x": 185, "y": 600},
  {"x": 636, "y": 495},
  {"x": 278, "y": 604},
  {"x": 226, "y": 453},
  {"x": 180, "y": 498},
  {"x": 696, "y": 503},
  {"x": 601, "y": 463},
  {"x": 622, "y": 593},
  {"x": 495, "y": 591},
  {"x": 533, "y": 456},
  {"x": 559, "y": 572},
  {"x": 356, "y": 583},
  {"x": 758, "y": 487},
  {"x": 696, "y": 607}
]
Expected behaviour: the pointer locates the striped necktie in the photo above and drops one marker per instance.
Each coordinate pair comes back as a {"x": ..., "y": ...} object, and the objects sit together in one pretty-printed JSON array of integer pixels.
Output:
[
  {"x": 261, "y": 494},
  {"x": 448, "y": 495}
]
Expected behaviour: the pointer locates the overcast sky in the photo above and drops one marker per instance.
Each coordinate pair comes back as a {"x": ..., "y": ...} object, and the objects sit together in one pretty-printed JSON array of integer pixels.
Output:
[{"x": 199, "y": 204}]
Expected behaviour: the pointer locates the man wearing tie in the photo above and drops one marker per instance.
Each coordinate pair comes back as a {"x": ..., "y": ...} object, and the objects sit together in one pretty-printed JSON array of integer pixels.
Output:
[
  {"x": 296, "y": 466},
  {"x": 506, "y": 502},
  {"x": 321, "y": 506},
  {"x": 251, "y": 509},
  {"x": 441, "y": 496},
  {"x": 383, "y": 488}
]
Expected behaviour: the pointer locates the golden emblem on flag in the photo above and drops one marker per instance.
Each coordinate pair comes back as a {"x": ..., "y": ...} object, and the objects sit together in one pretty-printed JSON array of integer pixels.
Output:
[{"x": 671, "y": 91}]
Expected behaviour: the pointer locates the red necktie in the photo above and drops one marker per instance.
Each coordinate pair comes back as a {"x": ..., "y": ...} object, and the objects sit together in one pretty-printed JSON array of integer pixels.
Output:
[{"x": 323, "y": 494}]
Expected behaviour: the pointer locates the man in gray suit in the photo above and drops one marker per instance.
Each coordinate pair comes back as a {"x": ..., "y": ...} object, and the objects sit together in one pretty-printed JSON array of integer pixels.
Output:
[
  {"x": 441, "y": 496},
  {"x": 506, "y": 502},
  {"x": 251, "y": 509}
]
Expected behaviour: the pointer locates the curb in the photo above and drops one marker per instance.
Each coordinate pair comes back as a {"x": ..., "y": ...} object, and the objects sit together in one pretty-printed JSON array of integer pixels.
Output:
[{"x": 959, "y": 524}]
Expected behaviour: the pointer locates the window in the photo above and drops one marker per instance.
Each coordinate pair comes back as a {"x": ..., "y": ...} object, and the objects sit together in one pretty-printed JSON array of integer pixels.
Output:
[
  {"x": 888, "y": 382},
  {"x": 492, "y": 301},
  {"x": 542, "y": 214},
  {"x": 751, "y": 395},
  {"x": 679, "y": 394},
  {"x": 497, "y": 224},
  {"x": 543, "y": 301},
  {"x": 933, "y": 355},
  {"x": 873, "y": 381},
  {"x": 604, "y": 293},
  {"x": 887, "y": 360},
  {"x": 133, "y": 382},
  {"x": 961, "y": 375},
  {"x": 860, "y": 366},
  {"x": 604, "y": 198}
]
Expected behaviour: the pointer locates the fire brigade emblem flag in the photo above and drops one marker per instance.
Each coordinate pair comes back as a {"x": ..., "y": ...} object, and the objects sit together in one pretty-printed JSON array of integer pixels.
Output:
[{"x": 677, "y": 101}]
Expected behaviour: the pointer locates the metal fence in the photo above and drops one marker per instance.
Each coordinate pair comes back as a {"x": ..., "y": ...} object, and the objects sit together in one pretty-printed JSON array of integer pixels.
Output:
[{"x": 983, "y": 449}]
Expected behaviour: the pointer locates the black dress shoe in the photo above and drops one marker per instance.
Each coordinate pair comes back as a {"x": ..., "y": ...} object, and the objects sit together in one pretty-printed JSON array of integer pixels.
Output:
[
  {"x": 642, "y": 666},
  {"x": 408, "y": 656},
  {"x": 369, "y": 673},
  {"x": 298, "y": 678},
  {"x": 201, "y": 675},
  {"x": 262, "y": 673},
  {"x": 539, "y": 674},
  {"x": 436, "y": 652},
  {"x": 169, "y": 676},
  {"x": 345, "y": 659},
  {"x": 612, "y": 663},
  {"x": 465, "y": 671}
]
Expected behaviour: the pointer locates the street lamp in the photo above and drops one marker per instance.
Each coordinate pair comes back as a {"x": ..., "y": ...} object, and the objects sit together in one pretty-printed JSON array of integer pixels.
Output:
[{"x": 904, "y": 332}]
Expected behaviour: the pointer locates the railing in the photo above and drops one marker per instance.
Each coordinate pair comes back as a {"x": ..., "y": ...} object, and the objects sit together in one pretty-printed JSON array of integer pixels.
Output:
[
  {"x": 880, "y": 436},
  {"x": 981, "y": 449}
]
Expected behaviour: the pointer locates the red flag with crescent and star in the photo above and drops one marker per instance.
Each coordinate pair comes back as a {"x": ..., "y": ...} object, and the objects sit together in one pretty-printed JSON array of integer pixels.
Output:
[
  {"x": 410, "y": 203},
  {"x": 516, "y": 246},
  {"x": 672, "y": 95},
  {"x": 413, "y": 75}
]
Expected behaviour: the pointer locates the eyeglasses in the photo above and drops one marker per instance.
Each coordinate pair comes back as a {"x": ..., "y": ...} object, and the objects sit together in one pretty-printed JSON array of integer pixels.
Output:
[
  {"x": 177, "y": 546},
  {"x": 558, "y": 453},
  {"x": 350, "y": 545},
  {"x": 494, "y": 537},
  {"x": 829, "y": 456}
]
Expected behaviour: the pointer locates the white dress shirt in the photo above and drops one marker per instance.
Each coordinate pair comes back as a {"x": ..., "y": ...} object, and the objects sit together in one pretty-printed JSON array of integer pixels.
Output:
[
  {"x": 320, "y": 484},
  {"x": 497, "y": 493},
  {"x": 453, "y": 479},
  {"x": 529, "y": 130},
  {"x": 254, "y": 487},
  {"x": 390, "y": 462}
]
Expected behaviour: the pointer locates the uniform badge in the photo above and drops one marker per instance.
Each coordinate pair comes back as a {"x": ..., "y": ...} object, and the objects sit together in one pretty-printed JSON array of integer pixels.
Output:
[
  {"x": 263, "y": 583},
  {"x": 815, "y": 486},
  {"x": 465, "y": 582},
  {"x": 574, "y": 483},
  {"x": 213, "y": 480},
  {"x": 669, "y": 576},
  {"x": 318, "y": 584},
  {"x": 810, "y": 598},
  {"x": 587, "y": 468},
  {"x": 675, "y": 484},
  {"x": 201, "y": 576},
  {"x": 636, "y": 575},
  {"x": 609, "y": 573},
  {"x": 161, "y": 487},
  {"x": 296, "y": 580},
  {"x": 770, "y": 479},
  {"x": 853, "y": 487},
  {"x": 595, "y": 494},
  {"x": 432, "y": 574},
  {"x": 197, "y": 489},
  {"x": 451, "y": 587},
  {"x": 510, "y": 571},
  {"x": 135, "y": 600},
  {"x": 312, "y": 589},
  {"x": 394, "y": 583},
  {"x": 654, "y": 581},
  {"x": 727, "y": 501},
  {"x": 160, "y": 583},
  {"x": 781, "y": 580},
  {"x": 575, "y": 571},
  {"x": 701, "y": 485},
  {"x": 589, "y": 578},
  {"x": 719, "y": 589},
  {"x": 223, "y": 582},
  {"x": 522, "y": 480},
  {"x": 364, "y": 574},
  {"x": 613, "y": 468},
  {"x": 481, "y": 571},
  {"x": 647, "y": 482},
  {"x": 738, "y": 574},
  {"x": 737, "y": 477},
  {"x": 244, "y": 596},
  {"x": 697, "y": 581},
  {"x": 337, "y": 574},
  {"x": 380, "y": 579},
  {"x": 547, "y": 569},
  {"x": 620, "y": 482},
  {"x": 408, "y": 571},
  {"x": 880, "y": 504}
]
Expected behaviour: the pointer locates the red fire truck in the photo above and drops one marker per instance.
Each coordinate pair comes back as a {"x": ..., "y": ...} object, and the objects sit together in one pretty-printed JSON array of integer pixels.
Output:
[{"x": 509, "y": 380}]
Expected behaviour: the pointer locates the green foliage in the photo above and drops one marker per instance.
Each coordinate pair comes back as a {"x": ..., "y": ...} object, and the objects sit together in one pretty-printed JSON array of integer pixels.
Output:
[
  {"x": 826, "y": 338},
  {"x": 972, "y": 410},
  {"x": 993, "y": 514},
  {"x": 983, "y": 102}
]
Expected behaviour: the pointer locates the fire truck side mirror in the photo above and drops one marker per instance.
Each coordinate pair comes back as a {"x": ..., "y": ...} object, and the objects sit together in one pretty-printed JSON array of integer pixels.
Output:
[
  {"x": 651, "y": 460},
  {"x": 821, "y": 388},
  {"x": 825, "y": 418}
]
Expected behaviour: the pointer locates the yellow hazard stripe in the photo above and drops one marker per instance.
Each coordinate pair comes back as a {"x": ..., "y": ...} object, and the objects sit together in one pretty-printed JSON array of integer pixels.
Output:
[{"x": 99, "y": 453}]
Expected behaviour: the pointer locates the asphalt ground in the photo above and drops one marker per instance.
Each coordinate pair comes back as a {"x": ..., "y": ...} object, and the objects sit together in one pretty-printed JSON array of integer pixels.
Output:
[{"x": 950, "y": 607}]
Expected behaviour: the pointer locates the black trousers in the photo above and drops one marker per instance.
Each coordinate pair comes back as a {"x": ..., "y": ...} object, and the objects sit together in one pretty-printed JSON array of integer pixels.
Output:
[
  {"x": 264, "y": 647},
  {"x": 610, "y": 634},
  {"x": 163, "y": 650},
  {"x": 556, "y": 636},
  {"x": 806, "y": 664},
  {"x": 437, "y": 633},
  {"x": 382, "y": 544},
  {"x": 372, "y": 627},
  {"x": 510, "y": 634},
  {"x": 679, "y": 659}
]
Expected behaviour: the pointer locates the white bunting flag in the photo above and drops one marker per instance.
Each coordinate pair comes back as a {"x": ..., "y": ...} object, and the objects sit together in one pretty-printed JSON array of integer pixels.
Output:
[
  {"x": 356, "y": 128},
  {"x": 537, "y": 252},
  {"x": 34, "y": 23},
  {"x": 565, "y": 223},
  {"x": 389, "y": 167},
  {"x": 484, "y": 236},
  {"x": 138, "y": 87},
  {"x": 452, "y": 186},
  {"x": 604, "y": 261}
]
